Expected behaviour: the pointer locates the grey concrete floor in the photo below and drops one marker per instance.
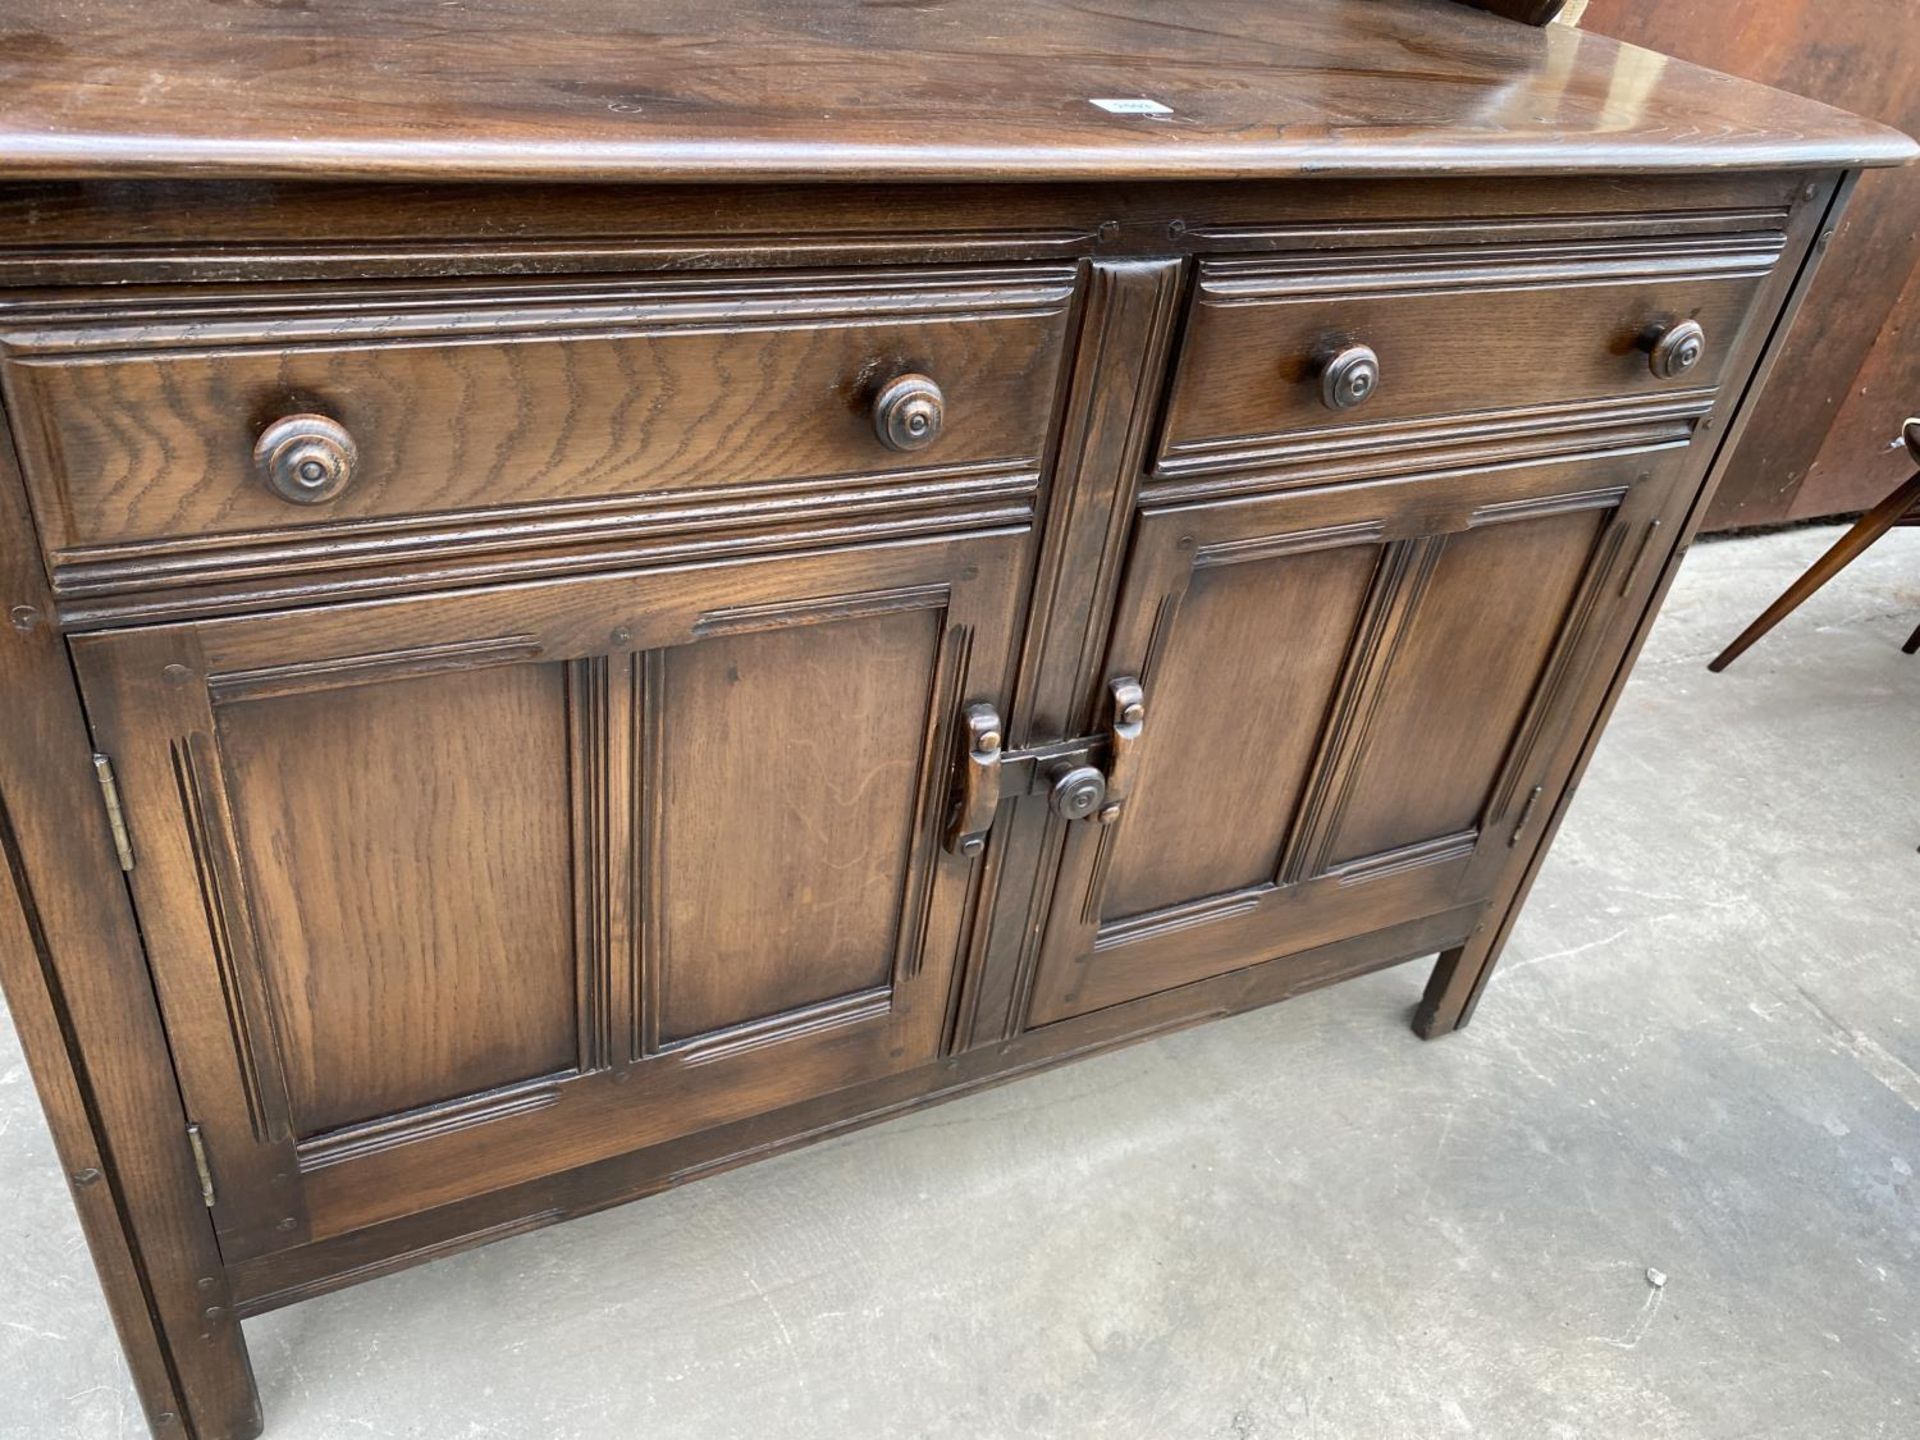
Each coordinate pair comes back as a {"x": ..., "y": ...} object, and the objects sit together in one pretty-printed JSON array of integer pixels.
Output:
[{"x": 1702, "y": 1055}]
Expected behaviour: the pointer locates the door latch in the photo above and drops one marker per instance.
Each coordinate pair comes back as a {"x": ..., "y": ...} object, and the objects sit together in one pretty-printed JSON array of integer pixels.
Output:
[{"x": 1088, "y": 778}]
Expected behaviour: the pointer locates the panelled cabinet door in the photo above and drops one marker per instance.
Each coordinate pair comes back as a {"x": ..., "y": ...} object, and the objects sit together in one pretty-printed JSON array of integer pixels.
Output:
[
  {"x": 1353, "y": 698},
  {"x": 444, "y": 894}
]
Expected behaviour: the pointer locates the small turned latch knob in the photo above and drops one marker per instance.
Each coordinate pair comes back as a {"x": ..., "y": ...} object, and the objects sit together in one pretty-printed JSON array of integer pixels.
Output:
[
  {"x": 1349, "y": 377},
  {"x": 1077, "y": 791},
  {"x": 908, "y": 413},
  {"x": 307, "y": 459},
  {"x": 1674, "y": 351}
]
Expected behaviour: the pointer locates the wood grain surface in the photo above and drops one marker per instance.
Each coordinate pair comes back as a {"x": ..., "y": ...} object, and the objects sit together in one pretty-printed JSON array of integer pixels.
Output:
[
  {"x": 1822, "y": 444},
  {"x": 409, "y": 878},
  {"x": 557, "y": 811},
  {"x": 1465, "y": 332},
  {"x": 843, "y": 89},
  {"x": 143, "y": 427}
]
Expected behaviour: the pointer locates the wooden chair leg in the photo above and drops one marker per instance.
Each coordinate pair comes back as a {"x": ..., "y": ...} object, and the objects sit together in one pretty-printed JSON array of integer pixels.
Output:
[{"x": 1869, "y": 528}]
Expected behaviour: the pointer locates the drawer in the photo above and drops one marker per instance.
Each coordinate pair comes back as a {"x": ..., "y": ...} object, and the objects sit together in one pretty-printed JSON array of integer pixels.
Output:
[
  {"x": 141, "y": 426},
  {"x": 1453, "y": 337}
]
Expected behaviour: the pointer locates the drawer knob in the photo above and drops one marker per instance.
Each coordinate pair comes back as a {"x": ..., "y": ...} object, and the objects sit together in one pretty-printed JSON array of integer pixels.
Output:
[
  {"x": 1349, "y": 377},
  {"x": 908, "y": 413},
  {"x": 1674, "y": 351},
  {"x": 307, "y": 459}
]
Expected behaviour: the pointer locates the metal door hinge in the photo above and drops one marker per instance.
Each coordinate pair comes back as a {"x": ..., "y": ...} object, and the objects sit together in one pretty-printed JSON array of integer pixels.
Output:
[
  {"x": 1526, "y": 814},
  {"x": 200, "y": 1164},
  {"x": 116, "y": 817}
]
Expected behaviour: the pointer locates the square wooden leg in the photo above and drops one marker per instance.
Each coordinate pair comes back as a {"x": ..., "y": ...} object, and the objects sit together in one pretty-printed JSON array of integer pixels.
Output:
[
  {"x": 1453, "y": 989},
  {"x": 77, "y": 984}
]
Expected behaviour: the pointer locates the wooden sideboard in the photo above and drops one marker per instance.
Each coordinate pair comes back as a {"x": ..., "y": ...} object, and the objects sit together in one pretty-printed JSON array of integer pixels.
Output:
[{"x": 595, "y": 594}]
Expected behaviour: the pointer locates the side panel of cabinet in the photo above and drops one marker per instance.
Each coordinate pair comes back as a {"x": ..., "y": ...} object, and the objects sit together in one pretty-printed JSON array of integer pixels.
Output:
[
  {"x": 1350, "y": 697},
  {"x": 445, "y": 894}
]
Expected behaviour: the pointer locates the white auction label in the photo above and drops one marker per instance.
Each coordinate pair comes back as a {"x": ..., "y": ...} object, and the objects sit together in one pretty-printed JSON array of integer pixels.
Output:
[{"x": 1134, "y": 107}]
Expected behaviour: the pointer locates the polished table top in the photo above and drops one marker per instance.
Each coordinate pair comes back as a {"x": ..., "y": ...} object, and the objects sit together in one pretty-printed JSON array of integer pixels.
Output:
[{"x": 770, "y": 90}]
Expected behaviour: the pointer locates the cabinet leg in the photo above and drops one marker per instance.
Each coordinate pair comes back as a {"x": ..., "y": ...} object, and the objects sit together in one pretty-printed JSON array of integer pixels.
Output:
[
  {"x": 1453, "y": 989},
  {"x": 117, "y": 1127},
  {"x": 199, "y": 1383},
  {"x": 77, "y": 986}
]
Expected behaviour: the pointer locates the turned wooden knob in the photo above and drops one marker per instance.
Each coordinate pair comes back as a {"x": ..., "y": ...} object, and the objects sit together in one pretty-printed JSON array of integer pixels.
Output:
[
  {"x": 908, "y": 413},
  {"x": 1349, "y": 377},
  {"x": 307, "y": 459},
  {"x": 1677, "y": 349}
]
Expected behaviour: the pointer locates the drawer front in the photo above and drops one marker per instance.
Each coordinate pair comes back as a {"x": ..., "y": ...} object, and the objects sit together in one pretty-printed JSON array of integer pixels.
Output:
[
  {"x": 1458, "y": 338},
  {"x": 139, "y": 427}
]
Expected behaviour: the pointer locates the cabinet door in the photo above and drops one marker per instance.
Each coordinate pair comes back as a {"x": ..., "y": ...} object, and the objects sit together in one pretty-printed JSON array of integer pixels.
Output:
[
  {"x": 1353, "y": 697},
  {"x": 444, "y": 894}
]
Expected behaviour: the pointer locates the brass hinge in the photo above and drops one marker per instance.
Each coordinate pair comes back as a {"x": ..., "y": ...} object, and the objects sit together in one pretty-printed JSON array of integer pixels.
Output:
[
  {"x": 116, "y": 817},
  {"x": 200, "y": 1164},
  {"x": 1526, "y": 814}
]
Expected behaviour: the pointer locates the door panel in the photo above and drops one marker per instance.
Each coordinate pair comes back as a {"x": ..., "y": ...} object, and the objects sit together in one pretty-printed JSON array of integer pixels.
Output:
[
  {"x": 1496, "y": 599},
  {"x": 407, "y": 862},
  {"x": 449, "y": 893},
  {"x": 1351, "y": 696},
  {"x": 1246, "y": 684},
  {"x": 779, "y": 865}
]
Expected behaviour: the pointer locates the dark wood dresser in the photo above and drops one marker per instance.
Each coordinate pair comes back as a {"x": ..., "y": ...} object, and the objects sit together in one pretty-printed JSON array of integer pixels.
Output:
[{"x": 597, "y": 590}]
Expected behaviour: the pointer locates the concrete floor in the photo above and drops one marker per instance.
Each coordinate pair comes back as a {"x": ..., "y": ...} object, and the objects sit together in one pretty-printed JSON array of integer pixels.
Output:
[{"x": 1702, "y": 1055}]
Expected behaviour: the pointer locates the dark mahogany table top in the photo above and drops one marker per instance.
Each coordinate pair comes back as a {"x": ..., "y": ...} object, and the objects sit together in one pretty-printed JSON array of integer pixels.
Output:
[{"x": 647, "y": 90}]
